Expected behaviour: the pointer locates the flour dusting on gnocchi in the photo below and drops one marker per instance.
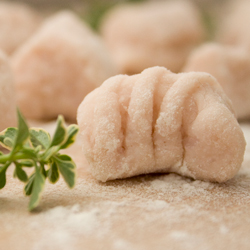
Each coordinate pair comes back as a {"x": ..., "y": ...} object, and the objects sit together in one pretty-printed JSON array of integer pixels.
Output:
[{"x": 158, "y": 121}]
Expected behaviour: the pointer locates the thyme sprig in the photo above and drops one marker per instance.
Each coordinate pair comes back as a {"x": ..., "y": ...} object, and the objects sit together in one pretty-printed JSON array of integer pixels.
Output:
[{"x": 34, "y": 148}]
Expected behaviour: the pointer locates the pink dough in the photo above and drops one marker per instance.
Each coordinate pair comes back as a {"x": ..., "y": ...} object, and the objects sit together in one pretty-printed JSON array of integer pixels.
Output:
[
  {"x": 234, "y": 26},
  {"x": 231, "y": 67},
  {"x": 158, "y": 121},
  {"x": 58, "y": 66},
  {"x": 7, "y": 95},
  {"x": 152, "y": 34},
  {"x": 17, "y": 23}
]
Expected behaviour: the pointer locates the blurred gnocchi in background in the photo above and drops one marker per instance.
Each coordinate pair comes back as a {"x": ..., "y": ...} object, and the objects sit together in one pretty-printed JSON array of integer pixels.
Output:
[{"x": 57, "y": 59}]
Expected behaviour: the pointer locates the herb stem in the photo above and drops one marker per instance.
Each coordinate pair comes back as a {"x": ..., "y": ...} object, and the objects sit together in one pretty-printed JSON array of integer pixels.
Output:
[
  {"x": 7, "y": 164},
  {"x": 4, "y": 158},
  {"x": 13, "y": 157}
]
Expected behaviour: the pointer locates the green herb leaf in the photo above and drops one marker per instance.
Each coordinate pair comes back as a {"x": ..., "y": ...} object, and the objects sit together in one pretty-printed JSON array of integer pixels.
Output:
[
  {"x": 14, "y": 174},
  {"x": 44, "y": 172},
  {"x": 26, "y": 163},
  {"x": 38, "y": 149},
  {"x": 71, "y": 133},
  {"x": 53, "y": 173},
  {"x": 30, "y": 153},
  {"x": 34, "y": 148},
  {"x": 8, "y": 137},
  {"x": 67, "y": 168},
  {"x": 23, "y": 130},
  {"x": 49, "y": 153},
  {"x": 65, "y": 157},
  {"x": 3, "y": 175},
  {"x": 60, "y": 134},
  {"x": 40, "y": 137},
  {"x": 20, "y": 173},
  {"x": 38, "y": 186},
  {"x": 8, "y": 142},
  {"x": 29, "y": 186}
]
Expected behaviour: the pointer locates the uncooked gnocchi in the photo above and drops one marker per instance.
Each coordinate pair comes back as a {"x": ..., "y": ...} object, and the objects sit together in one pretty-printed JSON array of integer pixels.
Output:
[
  {"x": 158, "y": 121},
  {"x": 231, "y": 67},
  {"x": 58, "y": 66},
  {"x": 160, "y": 33}
]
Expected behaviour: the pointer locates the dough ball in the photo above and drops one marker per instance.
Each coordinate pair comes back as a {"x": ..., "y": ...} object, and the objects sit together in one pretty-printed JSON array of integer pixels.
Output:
[
  {"x": 231, "y": 67},
  {"x": 17, "y": 23},
  {"x": 58, "y": 66},
  {"x": 158, "y": 121},
  {"x": 7, "y": 95},
  {"x": 150, "y": 34},
  {"x": 234, "y": 26}
]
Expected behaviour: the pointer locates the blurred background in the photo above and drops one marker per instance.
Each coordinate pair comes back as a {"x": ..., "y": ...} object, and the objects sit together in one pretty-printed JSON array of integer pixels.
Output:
[
  {"x": 190, "y": 35},
  {"x": 92, "y": 11}
]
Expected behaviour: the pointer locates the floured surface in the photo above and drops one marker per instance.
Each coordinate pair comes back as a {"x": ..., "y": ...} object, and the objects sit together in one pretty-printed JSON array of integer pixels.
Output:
[{"x": 145, "y": 212}]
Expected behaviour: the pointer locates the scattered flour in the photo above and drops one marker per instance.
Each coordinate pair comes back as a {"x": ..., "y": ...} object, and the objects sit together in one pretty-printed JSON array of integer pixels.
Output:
[
  {"x": 159, "y": 185},
  {"x": 64, "y": 224},
  {"x": 174, "y": 211},
  {"x": 73, "y": 219},
  {"x": 184, "y": 186},
  {"x": 56, "y": 239},
  {"x": 120, "y": 244},
  {"x": 223, "y": 229},
  {"x": 179, "y": 235}
]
